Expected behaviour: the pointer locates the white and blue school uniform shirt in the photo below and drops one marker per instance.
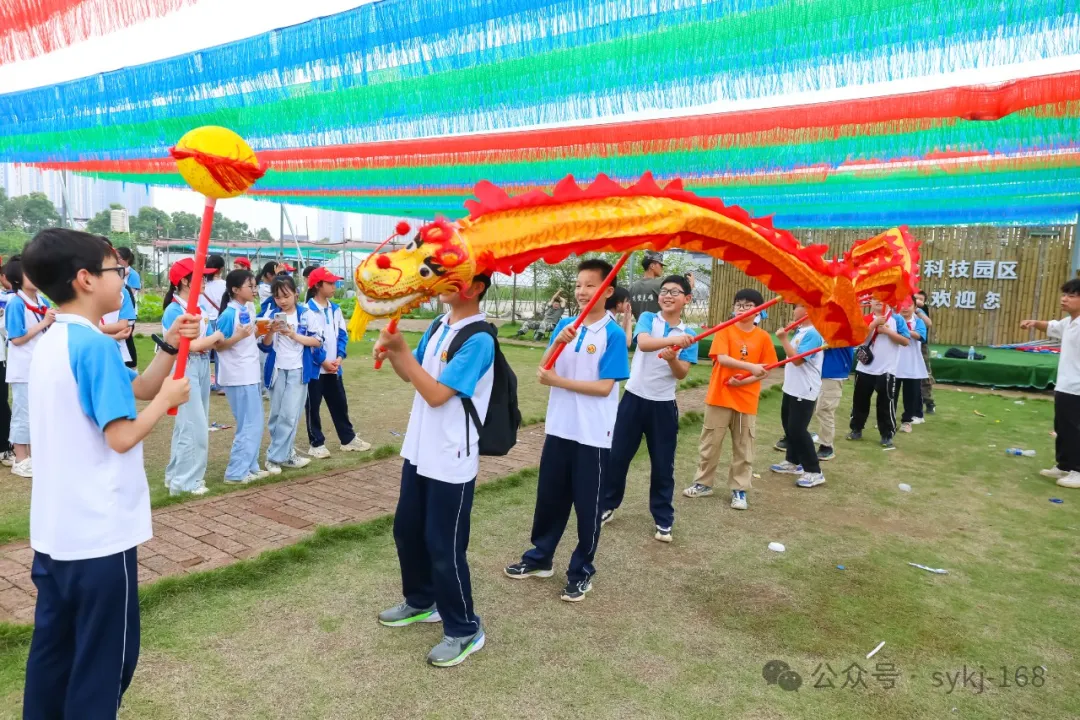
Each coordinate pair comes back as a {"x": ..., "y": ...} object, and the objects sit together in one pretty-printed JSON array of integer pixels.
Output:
[
  {"x": 289, "y": 354},
  {"x": 19, "y": 315},
  {"x": 804, "y": 381},
  {"x": 886, "y": 350},
  {"x": 335, "y": 335},
  {"x": 435, "y": 441},
  {"x": 133, "y": 280},
  {"x": 651, "y": 377},
  {"x": 87, "y": 500},
  {"x": 174, "y": 311},
  {"x": 597, "y": 353},
  {"x": 910, "y": 364},
  {"x": 239, "y": 364},
  {"x": 126, "y": 312},
  {"x": 209, "y": 297}
]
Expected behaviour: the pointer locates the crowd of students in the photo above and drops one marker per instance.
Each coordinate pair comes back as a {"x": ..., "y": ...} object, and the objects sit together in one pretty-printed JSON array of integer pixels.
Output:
[{"x": 87, "y": 521}]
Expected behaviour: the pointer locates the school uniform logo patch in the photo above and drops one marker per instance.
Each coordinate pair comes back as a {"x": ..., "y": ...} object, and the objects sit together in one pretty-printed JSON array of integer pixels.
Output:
[
  {"x": 591, "y": 349},
  {"x": 743, "y": 352},
  {"x": 442, "y": 357}
]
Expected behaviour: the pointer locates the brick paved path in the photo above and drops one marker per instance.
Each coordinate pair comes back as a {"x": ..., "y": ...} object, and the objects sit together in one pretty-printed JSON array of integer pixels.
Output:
[{"x": 205, "y": 534}]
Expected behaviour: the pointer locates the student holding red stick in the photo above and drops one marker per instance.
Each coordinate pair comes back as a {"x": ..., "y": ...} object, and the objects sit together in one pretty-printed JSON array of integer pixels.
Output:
[{"x": 802, "y": 385}]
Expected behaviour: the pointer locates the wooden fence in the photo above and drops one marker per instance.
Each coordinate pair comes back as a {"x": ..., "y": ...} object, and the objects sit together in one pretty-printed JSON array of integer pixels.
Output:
[{"x": 980, "y": 281}]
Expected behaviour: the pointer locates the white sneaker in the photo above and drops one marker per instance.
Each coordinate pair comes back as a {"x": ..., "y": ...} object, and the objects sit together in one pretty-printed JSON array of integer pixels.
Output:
[
  {"x": 1072, "y": 480},
  {"x": 738, "y": 499},
  {"x": 1054, "y": 472},
  {"x": 809, "y": 480},
  {"x": 23, "y": 469},
  {"x": 605, "y": 517},
  {"x": 786, "y": 468},
  {"x": 662, "y": 534},
  {"x": 7, "y": 458},
  {"x": 697, "y": 490},
  {"x": 259, "y": 474},
  {"x": 273, "y": 468},
  {"x": 905, "y": 427},
  {"x": 201, "y": 490},
  {"x": 318, "y": 453},
  {"x": 242, "y": 481},
  {"x": 357, "y": 445},
  {"x": 296, "y": 462},
  {"x": 918, "y": 421}
]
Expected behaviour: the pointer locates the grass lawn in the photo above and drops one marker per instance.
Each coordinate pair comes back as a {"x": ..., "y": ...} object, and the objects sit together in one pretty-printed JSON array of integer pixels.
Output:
[
  {"x": 681, "y": 630},
  {"x": 379, "y": 404}
]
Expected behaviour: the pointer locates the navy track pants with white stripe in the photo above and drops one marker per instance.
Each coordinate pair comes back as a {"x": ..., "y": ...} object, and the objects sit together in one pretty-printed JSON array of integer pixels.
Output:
[
  {"x": 571, "y": 476},
  {"x": 86, "y": 636},
  {"x": 431, "y": 531}
]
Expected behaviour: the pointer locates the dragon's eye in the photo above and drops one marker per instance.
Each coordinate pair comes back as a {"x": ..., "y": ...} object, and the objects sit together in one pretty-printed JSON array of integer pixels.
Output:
[
  {"x": 411, "y": 245},
  {"x": 425, "y": 271}
]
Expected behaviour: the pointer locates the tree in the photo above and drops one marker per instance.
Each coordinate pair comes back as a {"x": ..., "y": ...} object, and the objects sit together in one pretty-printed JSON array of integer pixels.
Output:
[
  {"x": 7, "y": 212},
  {"x": 152, "y": 223},
  {"x": 264, "y": 234},
  {"x": 33, "y": 212},
  {"x": 185, "y": 224}
]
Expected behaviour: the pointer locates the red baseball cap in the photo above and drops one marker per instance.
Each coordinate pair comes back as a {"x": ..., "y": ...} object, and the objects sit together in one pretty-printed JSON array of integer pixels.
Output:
[
  {"x": 182, "y": 268},
  {"x": 319, "y": 275},
  {"x": 242, "y": 262},
  {"x": 287, "y": 267}
]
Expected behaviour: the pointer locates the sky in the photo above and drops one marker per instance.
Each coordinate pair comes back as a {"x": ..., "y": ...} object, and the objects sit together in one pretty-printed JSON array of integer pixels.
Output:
[
  {"x": 205, "y": 24},
  {"x": 212, "y": 22}
]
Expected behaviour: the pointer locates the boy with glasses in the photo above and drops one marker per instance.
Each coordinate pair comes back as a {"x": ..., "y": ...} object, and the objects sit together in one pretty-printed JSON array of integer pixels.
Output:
[{"x": 665, "y": 351}]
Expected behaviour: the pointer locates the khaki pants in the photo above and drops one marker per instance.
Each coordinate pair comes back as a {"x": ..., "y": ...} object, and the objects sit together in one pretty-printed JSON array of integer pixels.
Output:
[
  {"x": 743, "y": 428},
  {"x": 828, "y": 401}
]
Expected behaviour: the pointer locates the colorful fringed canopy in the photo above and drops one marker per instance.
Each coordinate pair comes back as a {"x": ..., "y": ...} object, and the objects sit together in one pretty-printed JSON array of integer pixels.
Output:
[{"x": 823, "y": 114}]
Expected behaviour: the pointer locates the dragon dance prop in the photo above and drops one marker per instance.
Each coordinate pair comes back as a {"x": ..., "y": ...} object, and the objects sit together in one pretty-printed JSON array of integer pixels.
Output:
[
  {"x": 504, "y": 233},
  {"x": 216, "y": 162}
]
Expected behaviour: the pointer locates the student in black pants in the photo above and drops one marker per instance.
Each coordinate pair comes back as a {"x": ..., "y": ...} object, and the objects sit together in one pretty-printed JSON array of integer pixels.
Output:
[
  {"x": 665, "y": 351},
  {"x": 888, "y": 334},
  {"x": 802, "y": 386}
]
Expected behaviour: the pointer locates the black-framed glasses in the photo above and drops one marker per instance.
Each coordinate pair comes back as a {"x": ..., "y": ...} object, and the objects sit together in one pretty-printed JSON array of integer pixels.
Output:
[
  {"x": 671, "y": 292},
  {"x": 118, "y": 269},
  {"x": 743, "y": 308}
]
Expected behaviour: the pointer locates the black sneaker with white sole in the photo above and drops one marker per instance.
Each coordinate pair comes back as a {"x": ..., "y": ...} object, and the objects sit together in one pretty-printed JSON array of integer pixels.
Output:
[
  {"x": 780, "y": 444},
  {"x": 521, "y": 570},
  {"x": 606, "y": 516},
  {"x": 575, "y": 591}
]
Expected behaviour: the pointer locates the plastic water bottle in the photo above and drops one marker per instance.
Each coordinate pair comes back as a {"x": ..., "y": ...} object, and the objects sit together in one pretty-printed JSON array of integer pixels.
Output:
[
  {"x": 971, "y": 353},
  {"x": 1018, "y": 451}
]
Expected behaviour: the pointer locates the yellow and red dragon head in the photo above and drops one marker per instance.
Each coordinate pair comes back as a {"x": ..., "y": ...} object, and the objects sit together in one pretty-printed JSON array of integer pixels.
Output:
[{"x": 506, "y": 233}]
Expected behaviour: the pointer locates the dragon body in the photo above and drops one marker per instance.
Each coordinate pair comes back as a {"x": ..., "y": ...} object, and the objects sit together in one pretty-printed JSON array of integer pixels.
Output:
[{"x": 505, "y": 233}]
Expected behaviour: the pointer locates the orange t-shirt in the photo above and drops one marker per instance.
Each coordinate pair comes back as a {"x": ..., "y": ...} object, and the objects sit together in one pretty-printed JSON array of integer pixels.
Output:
[{"x": 754, "y": 347}]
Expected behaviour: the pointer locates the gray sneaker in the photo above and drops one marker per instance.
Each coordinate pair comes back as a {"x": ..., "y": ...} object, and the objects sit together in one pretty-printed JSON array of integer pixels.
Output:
[
  {"x": 404, "y": 614},
  {"x": 453, "y": 651}
]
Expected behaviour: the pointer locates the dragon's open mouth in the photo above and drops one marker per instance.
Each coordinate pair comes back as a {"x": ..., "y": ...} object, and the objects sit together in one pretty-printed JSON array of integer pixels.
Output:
[{"x": 384, "y": 308}]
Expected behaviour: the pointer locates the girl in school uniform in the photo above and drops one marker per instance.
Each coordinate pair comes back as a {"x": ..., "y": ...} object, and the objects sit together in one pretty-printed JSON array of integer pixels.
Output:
[
  {"x": 294, "y": 354},
  {"x": 186, "y": 471},
  {"x": 238, "y": 374},
  {"x": 328, "y": 386},
  {"x": 26, "y": 317},
  {"x": 911, "y": 369}
]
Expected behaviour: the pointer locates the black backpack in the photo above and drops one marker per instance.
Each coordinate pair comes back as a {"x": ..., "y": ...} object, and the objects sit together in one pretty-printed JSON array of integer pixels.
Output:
[{"x": 498, "y": 431}]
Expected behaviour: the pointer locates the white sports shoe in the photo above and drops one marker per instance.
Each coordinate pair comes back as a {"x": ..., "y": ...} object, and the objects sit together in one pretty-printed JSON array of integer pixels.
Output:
[
  {"x": 273, "y": 468},
  {"x": 1054, "y": 472},
  {"x": 296, "y": 462},
  {"x": 1072, "y": 480},
  {"x": 357, "y": 445},
  {"x": 918, "y": 421},
  {"x": 318, "y": 453},
  {"x": 201, "y": 490},
  {"x": 7, "y": 458},
  {"x": 23, "y": 469}
]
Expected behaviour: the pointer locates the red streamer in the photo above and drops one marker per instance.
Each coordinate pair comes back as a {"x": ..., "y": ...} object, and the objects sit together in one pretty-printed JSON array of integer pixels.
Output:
[
  {"x": 233, "y": 175},
  {"x": 29, "y": 28}
]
